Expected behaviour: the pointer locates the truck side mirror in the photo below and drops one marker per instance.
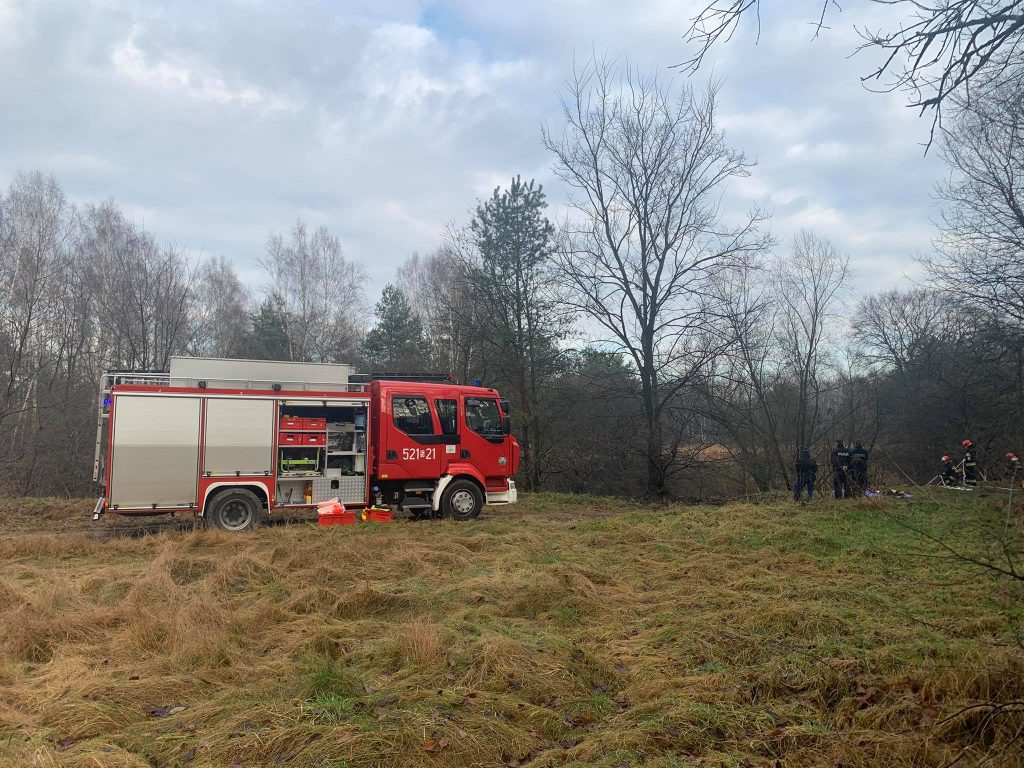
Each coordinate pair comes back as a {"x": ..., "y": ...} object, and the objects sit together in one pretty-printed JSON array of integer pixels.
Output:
[
  {"x": 506, "y": 425},
  {"x": 506, "y": 406}
]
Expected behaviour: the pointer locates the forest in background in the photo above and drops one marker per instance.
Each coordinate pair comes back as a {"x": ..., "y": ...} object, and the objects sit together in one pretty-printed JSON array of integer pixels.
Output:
[{"x": 652, "y": 343}]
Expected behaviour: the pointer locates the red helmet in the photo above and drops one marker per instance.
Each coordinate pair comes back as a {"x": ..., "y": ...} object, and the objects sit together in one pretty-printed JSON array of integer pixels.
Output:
[
  {"x": 966, "y": 443},
  {"x": 1011, "y": 455},
  {"x": 945, "y": 458}
]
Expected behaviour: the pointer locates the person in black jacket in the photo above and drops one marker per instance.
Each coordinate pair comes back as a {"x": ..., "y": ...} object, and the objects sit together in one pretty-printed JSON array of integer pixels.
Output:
[
  {"x": 1013, "y": 470},
  {"x": 840, "y": 470},
  {"x": 806, "y": 474},
  {"x": 1012, "y": 465},
  {"x": 858, "y": 469},
  {"x": 949, "y": 474},
  {"x": 971, "y": 472}
]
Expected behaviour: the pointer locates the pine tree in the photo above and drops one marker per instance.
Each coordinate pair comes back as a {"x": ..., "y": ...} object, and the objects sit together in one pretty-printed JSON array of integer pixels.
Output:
[
  {"x": 512, "y": 280},
  {"x": 396, "y": 342},
  {"x": 269, "y": 339}
]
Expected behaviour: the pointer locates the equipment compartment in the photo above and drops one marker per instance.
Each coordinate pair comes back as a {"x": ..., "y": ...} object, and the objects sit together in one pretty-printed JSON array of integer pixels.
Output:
[{"x": 331, "y": 451}]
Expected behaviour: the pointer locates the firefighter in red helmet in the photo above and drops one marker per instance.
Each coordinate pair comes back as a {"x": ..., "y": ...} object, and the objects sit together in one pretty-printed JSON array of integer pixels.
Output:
[
  {"x": 1012, "y": 466},
  {"x": 949, "y": 474},
  {"x": 971, "y": 473}
]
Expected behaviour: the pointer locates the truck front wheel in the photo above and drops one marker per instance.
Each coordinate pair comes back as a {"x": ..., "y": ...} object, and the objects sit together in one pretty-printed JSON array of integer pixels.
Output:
[
  {"x": 238, "y": 510},
  {"x": 462, "y": 500}
]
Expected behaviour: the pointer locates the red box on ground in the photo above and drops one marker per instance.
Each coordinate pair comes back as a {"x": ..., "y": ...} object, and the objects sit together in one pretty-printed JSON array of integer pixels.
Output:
[
  {"x": 378, "y": 515},
  {"x": 314, "y": 423},
  {"x": 338, "y": 518}
]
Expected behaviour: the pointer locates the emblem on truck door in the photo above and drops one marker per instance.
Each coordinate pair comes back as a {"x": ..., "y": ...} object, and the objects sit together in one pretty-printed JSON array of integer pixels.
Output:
[{"x": 502, "y": 461}]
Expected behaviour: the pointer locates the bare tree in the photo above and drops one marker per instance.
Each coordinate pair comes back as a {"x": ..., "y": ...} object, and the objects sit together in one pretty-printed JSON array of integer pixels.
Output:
[
  {"x": 323, "y": 293},
  {"x": 900, "y": 329},
  {"x": 440, "y": 293},
  {"x": 742, "y": 393},
  {"x": 943, "y": 46},
  {"x": 144, "y": 292},
  {"x": 647, "y": 167},
  {"x": 980, "y": 247},
  {"x": 222, "y": 306},
  {"x": 808, "y": 286},
  {"x": 39, "y": 334}
]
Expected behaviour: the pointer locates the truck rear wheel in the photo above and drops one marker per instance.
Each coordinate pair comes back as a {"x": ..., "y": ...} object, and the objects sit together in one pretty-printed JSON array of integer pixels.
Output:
[
  {"x": 462, "y": 500},
  {"x": 235, "y": 511}
]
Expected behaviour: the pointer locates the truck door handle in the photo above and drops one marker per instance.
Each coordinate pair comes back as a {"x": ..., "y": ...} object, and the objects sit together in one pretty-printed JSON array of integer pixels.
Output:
[
  {"x": 465, "y": 453},
  {"x": 392, "y": 455}
]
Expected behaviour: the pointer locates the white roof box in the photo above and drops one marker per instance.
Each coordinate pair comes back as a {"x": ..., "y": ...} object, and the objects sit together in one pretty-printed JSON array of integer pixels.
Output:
[{"x": 225, "y": 373}]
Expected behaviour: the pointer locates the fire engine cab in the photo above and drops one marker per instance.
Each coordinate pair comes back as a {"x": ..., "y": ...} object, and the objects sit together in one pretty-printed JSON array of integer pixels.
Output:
[{"x": 234, "y": 440}]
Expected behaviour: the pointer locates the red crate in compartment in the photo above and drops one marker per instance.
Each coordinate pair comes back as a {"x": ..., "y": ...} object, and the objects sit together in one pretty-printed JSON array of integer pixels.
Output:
[
  {"x": 315, "y": 439},
  {"x": 290, "y": 438},
  {"x": 291, "y": 422},
  {"x": 314, "y": 423}
]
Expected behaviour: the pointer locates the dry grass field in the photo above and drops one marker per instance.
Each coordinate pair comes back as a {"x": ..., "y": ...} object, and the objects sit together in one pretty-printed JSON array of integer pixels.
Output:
[{"x": 567, "y": 631}]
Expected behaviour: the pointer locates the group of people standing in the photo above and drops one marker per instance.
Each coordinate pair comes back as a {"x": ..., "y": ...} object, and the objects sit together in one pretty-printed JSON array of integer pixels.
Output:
[{"x": 849, "y": 472}]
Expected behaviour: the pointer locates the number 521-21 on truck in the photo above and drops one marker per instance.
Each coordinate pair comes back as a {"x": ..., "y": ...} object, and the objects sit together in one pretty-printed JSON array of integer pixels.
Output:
[{"x": 234, "y": 440}]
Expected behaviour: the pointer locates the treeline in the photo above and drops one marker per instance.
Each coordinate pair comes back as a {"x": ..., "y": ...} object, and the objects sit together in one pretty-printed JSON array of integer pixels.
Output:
[{"x": 651, "y": 344}]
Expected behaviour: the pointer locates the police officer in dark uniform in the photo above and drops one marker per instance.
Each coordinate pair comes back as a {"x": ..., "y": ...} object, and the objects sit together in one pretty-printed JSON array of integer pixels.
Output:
[
  {"x": 806, "y": 474},
  {"x": 840, "y": 470},
  {"x": 859, "y": 469},
  {"x": 971, "y": 473}
]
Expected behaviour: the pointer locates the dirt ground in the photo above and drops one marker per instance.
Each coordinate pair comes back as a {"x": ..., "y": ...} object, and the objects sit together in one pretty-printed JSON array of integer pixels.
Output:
[{"x": 563, "y": 631}]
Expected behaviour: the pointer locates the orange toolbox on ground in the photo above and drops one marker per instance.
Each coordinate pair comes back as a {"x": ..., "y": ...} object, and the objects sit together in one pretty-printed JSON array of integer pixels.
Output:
[
  {"x": 315, "y": 439},
  {"x": 290, "y": 438},
  {"x": 291, "y": 422},
  {"x": 314, "y": 424}
]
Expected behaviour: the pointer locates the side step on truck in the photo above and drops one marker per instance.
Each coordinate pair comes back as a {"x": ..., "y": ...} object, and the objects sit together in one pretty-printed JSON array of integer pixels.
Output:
[{"x": 235, "y": 440}]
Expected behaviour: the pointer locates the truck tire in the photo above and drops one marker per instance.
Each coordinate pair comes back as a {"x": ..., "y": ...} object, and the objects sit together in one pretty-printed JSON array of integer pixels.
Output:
[
  {"x": 235, "y": 511},
  {"x": 462, "y": 500}
]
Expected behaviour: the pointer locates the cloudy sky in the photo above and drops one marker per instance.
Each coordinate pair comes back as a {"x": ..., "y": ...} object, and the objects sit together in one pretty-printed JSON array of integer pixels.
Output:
[{"x": 214, "y": 124}]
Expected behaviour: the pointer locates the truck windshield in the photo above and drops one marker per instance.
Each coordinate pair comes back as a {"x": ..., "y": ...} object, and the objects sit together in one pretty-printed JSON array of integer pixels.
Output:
[{"x": 482, "y": 416}]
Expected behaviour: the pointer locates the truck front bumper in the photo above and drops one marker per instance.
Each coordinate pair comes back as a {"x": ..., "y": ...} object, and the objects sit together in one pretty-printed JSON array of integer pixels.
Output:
[{"x": 511, "y": 496}]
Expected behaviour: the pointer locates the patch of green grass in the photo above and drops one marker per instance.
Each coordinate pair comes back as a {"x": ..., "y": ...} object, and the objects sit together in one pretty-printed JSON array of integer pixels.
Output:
[
  {"x": 545, "y": 558},
  {"x": 567, "y": 617},
  {"x": 589, "y": 709},
  {"x": 328, "y": 679}
]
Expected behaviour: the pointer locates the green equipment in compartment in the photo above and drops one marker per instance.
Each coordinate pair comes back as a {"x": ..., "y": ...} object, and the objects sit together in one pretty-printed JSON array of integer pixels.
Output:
[{"x": 300, "y": 463}]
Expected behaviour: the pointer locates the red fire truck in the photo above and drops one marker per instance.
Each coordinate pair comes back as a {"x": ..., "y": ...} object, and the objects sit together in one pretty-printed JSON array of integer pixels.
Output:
[{"x": 234, "y": 440}]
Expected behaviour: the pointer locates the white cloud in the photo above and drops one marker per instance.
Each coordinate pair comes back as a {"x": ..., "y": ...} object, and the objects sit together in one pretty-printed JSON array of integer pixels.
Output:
[
  {"x": 11, "y": 21},
  {"x": 189, "y": 76},
  {"x": 221, "y": 122}
]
